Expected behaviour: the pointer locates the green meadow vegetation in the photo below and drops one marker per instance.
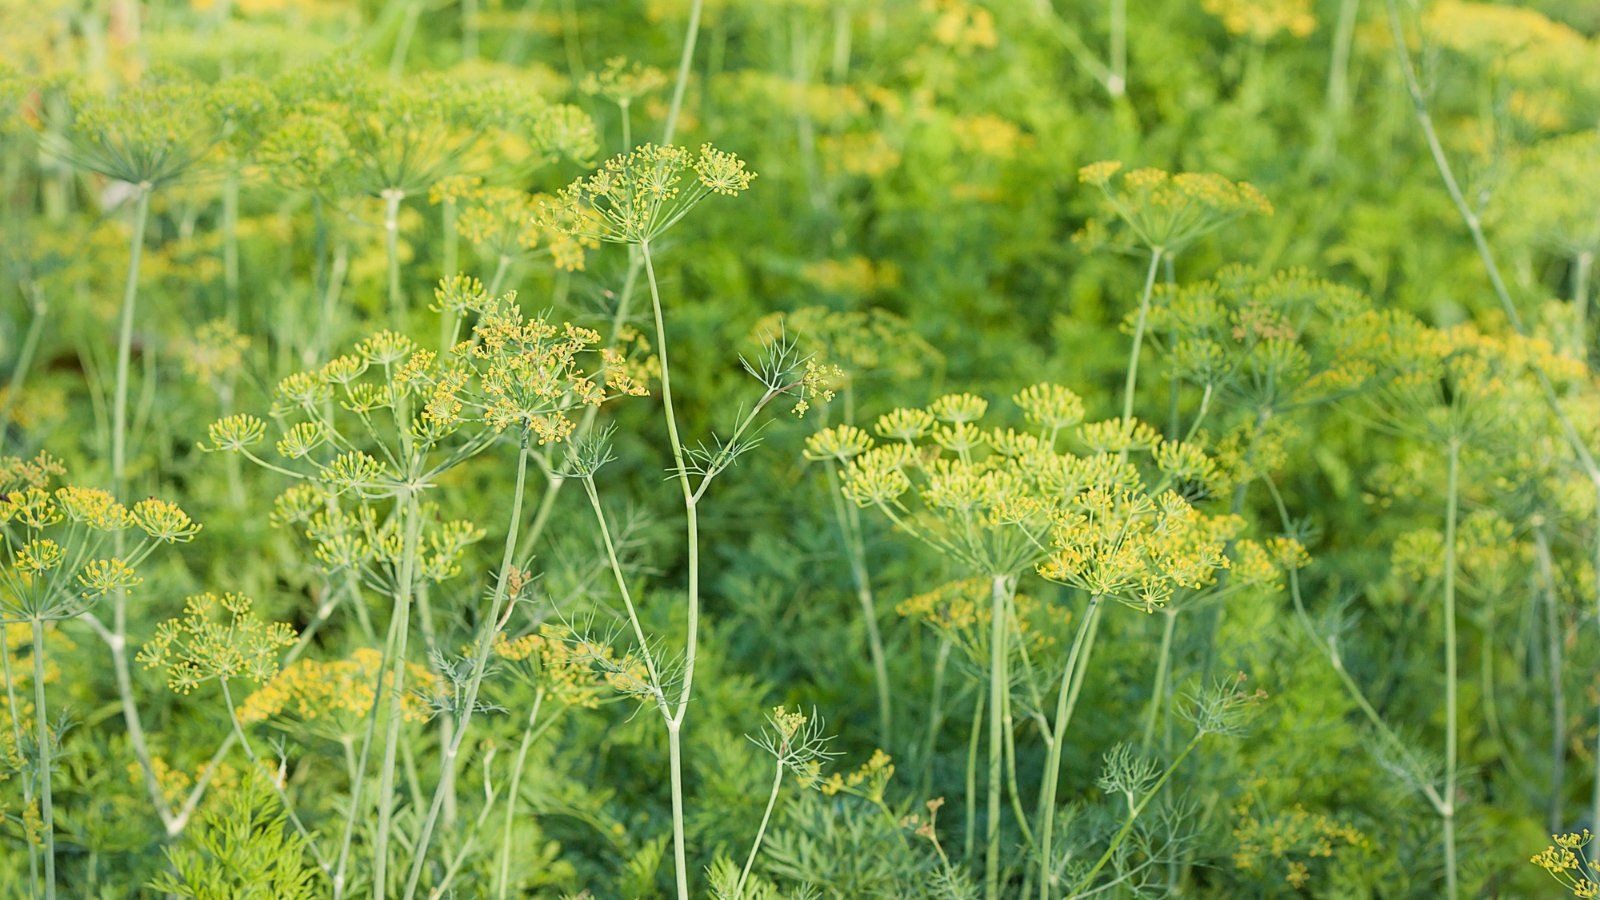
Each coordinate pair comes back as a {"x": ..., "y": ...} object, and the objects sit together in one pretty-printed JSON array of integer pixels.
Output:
[{"x": 799, "y": 448}]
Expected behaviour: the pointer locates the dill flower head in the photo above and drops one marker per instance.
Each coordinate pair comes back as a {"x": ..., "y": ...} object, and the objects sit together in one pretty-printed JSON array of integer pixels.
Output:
[
  {"x": 1165, "y": 211},
  {"x": 639, "y": 195},
  {"x": 1568, "y": 863},
  {"x": 216, "y": 638},
  {"x": 148, "y": 133},
  {"x": 622, "y": 81}
]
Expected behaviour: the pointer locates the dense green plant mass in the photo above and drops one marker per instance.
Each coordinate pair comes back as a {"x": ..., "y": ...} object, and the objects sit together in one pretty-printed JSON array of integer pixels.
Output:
[{"x": 717, "y": 448}]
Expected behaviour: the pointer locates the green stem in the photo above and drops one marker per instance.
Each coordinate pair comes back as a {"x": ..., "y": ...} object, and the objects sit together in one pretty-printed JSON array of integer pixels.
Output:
[
  {"x": 501, "y": 267},
  {"x": 1117, "y": 84},
  {"x": 761, "y": 832},
  {"x": 397, "y": 673},
  {"x": 503, "y": 870},
  {"x": 283, "y": 796},
  {"x": 999, "y": 687},
  {"x": 1066, "y": 702},
  {"x": 480, "y": 663},
  {"x": 47, "y": 810},
  {"x": 13, "y": 705},
  {"x": 1132, "y": 381},
  {"x": 1448, "y": 810},
  {"x": 692, "y": 34},
  {"x": 1088, "y": 879},
  {"x": 24, "y": 360},
  {"x": 972, "y": 777},
  {"x": 392, "y": 198},
  {"x": 692, "y": 527},
  {"x": 849, "y": 520},
  {"x": 1339, "y": 63},
  {"x": 230, "y": 247},
  {"x": 1554, "y": 665},
  {"x": 119, "y": 457},
  {"x": 1158, "y": 691}
]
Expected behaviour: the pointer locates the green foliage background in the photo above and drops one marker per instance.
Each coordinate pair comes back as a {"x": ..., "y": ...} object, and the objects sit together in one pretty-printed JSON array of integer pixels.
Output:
[{"x": 915, "y": 159}]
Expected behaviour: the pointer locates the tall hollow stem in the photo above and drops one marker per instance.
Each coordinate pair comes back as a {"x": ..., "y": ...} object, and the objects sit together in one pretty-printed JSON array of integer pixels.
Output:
[
  {"x": 692, "y": 528},
  {"x": 480, "y": 662},
  {"x": 1448, "y": 809},
  {"x": 1066, "y": 701},
  {"x": 999, "y": 686},
  {"x": 41, "y": 721},
  {"x": 1132, "y": 382},
  {"x": 396, "y": 670}
]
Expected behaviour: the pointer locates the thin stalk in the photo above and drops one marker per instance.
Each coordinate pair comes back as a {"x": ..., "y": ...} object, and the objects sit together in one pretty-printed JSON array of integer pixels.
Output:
[
  {"x": 1594, "y": 846},
  {"x": 692, "y": 34},
  {"x": 13, "y": 704},
  {"x": 450, "y": 320},
  {"x": 1344, "y": 33},
  {"x": 392, "y": 198},
  {"x": 1132, "y": 381},
  {"x": 118, "y": 641},
  {"x": 230, "y": 247},
  {"x": 761, "y": 832},
  {"x": 1066, "y": 702},
  {"x": 941, "y": 662},
  {"x": 397, "y": 673},
  {"x": 1558, "y": 702},
  {"x": 849, "y": 520},
  {"x": 1133, "y": 814},
  {"x": 368, "y": 734},
  {"x": 1582, "y": 266},
  {"x": 1158, "y": 691},
  {"x": 972, "y": 777},
  {"x": 283, "y": 796},
  {"x": 1117, "y": 84},
  {"x": 480, "y": 663},
  {"x": 692, "y": 527},
  {"x": 503, "y": 870},
  {"x": 999, "y": 687},
  {"x": 24, "y": 360},
  {"x": 47, "y": 809},
  {"x": 1448, "y": 810},
  {"x": 501, "y": 267}
]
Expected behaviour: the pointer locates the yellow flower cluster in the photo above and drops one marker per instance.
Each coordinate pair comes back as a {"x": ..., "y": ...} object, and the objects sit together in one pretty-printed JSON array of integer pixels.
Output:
[
  {"x": 555, "y": 661},
  {"x": 1263, "y": 20},
  {"x": 622, "y": 81},
  {"x": 998, "y": 500},
  {"x": 638, "y": 195},
  {"x": 333, "y": 697},
  {"x": 196, "y": 647},
  {"x": 1569, "y": 864},
  {"x": 1291, "y": 840},
  {"x": 1166, "y": 211},
  {"x": 51, "y": 568}
]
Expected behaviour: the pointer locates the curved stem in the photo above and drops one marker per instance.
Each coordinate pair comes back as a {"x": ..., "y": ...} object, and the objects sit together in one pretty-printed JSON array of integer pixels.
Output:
[
  {"x": 772, "y": 800},
  {"x": 1133, "y": 814}
]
